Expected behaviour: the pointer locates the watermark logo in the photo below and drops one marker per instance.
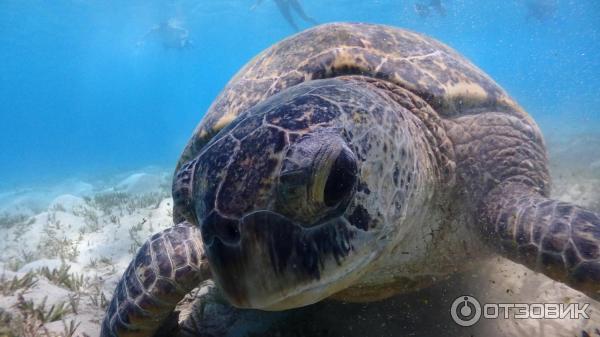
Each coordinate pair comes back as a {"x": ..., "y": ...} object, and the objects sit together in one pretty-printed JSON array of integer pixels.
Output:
[{"x": 466, "y": 310}]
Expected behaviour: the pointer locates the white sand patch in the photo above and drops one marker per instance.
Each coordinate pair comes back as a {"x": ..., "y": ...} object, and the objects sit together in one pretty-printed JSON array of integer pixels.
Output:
[
  {"x": 94, "y": 235},
  {"x": 141, "y": 183},
  {"x": 67, "y": 202},
  {"x": 23, "y": 202},
  {"x": 37, "y": 264},
  {"x": 31, "y": 201}
]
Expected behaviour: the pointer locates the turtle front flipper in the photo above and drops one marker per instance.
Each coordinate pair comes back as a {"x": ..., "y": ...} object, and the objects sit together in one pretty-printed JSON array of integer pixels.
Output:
[
  {"x": 168, "y": 266},
  {"x": 556, "y": 238}
]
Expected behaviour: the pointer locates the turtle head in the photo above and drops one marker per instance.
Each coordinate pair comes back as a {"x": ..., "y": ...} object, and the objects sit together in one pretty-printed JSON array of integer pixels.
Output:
[{"x": 282, "y": 197}]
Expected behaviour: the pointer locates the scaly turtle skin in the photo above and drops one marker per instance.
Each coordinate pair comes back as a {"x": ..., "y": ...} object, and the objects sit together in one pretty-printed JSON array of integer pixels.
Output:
[{"x": 354, "y": 161}]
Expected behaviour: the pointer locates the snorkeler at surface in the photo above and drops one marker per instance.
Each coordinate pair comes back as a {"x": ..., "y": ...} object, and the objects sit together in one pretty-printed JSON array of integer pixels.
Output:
[
  {"x": 169, "y": 34},
  {"x": 424, "y": 9},
  {"x": 285, "y": 7},
  {"x": 541, "y": 10}
]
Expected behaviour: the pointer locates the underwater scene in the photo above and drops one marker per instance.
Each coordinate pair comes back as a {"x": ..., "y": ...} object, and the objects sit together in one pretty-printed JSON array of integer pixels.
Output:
[{"x": 299, "y": 168}]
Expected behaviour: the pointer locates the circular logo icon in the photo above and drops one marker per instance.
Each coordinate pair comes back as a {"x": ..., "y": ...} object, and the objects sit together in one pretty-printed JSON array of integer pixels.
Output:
[{"x": 465, "y": 311}]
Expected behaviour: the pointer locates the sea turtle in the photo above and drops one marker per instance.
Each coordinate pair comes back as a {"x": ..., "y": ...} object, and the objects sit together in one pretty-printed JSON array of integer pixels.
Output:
[{"x": 354, "y": 162}]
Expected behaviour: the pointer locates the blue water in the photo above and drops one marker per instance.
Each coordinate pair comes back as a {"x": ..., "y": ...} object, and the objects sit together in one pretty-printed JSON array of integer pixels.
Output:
[{"x": 80, "y": 97}]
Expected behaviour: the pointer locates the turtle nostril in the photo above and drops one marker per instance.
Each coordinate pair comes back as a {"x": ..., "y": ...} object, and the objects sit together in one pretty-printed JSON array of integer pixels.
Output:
[
  {"x": 229, "y": 232},
  {"x": 341, "y": 179},
  {"x": 215, "y": 225}
]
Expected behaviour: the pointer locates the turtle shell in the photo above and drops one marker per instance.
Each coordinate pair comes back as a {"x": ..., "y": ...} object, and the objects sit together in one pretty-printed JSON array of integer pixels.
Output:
[{"x": 443, "y": 78}]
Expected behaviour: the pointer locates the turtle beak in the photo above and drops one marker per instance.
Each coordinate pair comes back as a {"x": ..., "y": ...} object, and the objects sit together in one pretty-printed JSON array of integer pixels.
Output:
[{"x": 271, "y": 263}]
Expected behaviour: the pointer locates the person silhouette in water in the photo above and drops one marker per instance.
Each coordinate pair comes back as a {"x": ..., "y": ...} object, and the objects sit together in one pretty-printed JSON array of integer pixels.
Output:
[
  {"x": 424, "y": 9},
  {"x": 541, "y": 10},
  {"x": 285, "y": 7},
  {"x": 170, "y": 34}
]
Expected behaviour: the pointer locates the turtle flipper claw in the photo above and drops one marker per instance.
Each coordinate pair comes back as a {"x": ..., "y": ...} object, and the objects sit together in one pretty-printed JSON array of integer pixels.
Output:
[
  {"x": 556, "y": 238},
  {"x": 168, "y": 266}
]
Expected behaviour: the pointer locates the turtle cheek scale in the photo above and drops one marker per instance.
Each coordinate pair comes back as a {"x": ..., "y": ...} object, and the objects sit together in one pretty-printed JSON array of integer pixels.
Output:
[{"x": 277, "y": 264}]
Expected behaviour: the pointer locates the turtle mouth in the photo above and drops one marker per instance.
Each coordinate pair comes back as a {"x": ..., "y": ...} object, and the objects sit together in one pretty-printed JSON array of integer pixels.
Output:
[{"x": 274, "y": 263}]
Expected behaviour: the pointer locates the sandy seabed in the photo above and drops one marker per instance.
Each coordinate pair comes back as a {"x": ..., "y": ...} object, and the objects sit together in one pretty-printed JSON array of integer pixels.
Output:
[{"x": 64, "y": 249}]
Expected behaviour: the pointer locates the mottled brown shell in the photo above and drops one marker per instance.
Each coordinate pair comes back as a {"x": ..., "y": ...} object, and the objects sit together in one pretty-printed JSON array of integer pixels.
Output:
[{"x": 444, "y": 79}]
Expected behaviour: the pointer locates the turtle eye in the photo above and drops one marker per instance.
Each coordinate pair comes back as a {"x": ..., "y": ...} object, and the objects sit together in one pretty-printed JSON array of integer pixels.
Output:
[{"x": 341, "y": 180}]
